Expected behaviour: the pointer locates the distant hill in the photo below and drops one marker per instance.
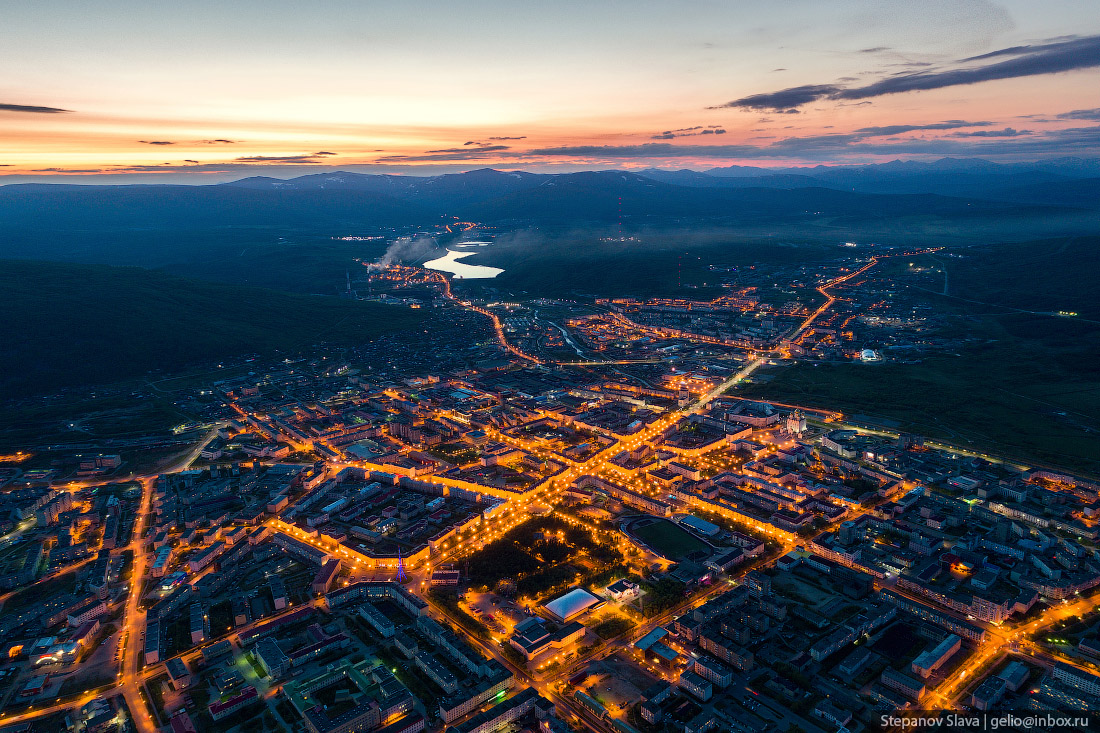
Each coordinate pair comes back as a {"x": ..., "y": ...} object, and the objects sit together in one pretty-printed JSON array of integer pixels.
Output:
[
  {"x": 970, "y": 177},
  {"x": 602, "y": 195},
  {"x": 83, "y": 208},
  {"x": 1083, "y": 192},
  {"x": 342, "y": 199},
  {"x": 223, "y": 229},
  {"x": 435, "y": 192},
  {"x": 68, "y": 325}
]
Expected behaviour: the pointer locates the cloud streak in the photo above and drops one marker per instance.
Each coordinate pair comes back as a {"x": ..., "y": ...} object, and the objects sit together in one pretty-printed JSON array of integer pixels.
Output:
[
  {"x": 1007, "y": 132},
  {"x": 304, "y": 158},
  {"x": 472, "y": 152},
  {"x": 1052, "y": 57},
  {"x": 31, "y": 109},
  {"x": 690, "y": 132},
  {"x": 1001, "y": 143},
  {"x": 1081, "y": 114}
]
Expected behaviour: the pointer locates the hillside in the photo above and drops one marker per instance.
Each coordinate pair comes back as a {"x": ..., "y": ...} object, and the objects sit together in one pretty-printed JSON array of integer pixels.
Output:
[
  {"x": 83, "y": 324},
  {"x": 342, "y": 201},
  {"x": 601, "y": 196},
  {"x": 293, "y": 234},
  {"x": 82, "y": 208}
]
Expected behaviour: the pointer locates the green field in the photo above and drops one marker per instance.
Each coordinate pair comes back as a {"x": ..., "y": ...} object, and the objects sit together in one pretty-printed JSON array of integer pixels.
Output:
[
  {"x": 1023, "y": 385},
  {"x": 990, "y": 400},
  {"x": 661, "y": 262},
  {"x": 69, "y": 325},
  {"x": 669, "y": 540}
]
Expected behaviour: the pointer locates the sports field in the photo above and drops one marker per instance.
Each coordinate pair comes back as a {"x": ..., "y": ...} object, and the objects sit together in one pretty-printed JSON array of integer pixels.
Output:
[{"x": 668, "y": 539}]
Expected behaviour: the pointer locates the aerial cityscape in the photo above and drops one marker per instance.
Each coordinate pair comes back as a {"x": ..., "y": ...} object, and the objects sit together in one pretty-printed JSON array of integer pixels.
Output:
[{"x": 509, "y": 409}]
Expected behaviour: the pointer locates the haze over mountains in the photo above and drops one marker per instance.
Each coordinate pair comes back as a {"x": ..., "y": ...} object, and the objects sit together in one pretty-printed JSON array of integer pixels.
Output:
[
  {"x": 157, "y": 225},
  {"x": 951, "y": 186}
]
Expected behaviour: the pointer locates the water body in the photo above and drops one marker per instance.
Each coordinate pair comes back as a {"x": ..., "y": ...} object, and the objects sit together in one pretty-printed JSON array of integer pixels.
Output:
[{"x": 450, "y": 263}]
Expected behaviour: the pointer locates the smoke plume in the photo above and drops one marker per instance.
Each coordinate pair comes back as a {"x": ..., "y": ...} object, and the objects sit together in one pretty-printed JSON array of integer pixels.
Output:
[{"x": 409, "y": 250}]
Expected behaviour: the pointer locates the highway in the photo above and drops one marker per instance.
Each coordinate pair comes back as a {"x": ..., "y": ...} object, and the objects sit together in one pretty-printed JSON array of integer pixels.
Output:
[{"x": 133, "y": 620}]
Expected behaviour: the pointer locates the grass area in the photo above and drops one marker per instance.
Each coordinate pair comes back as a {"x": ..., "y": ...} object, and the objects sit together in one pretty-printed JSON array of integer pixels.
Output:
[
  {"x": 660, "y": 595},
  {"x": 454, "y": 453},
  {"x": 221, "y": 618},
  {"x": 1046, "y": 275},
  {"x": 256, "y": 666},
  {"x": 1023, "y": 385},
  {"x": 542, "y": 555},
  {"x": 65, "y": 583},
  {"x": 899, "y": 643},
  {"x": 287, "y": 712},
  {"x": 991, "y": 398},
  {"x": 568, "y": 261},
  {"x": 155, "y": 687},
  {"x": 80, "y": 324},
  {"x": 450, "y": 602},
  {"x": 105, "y": 416},
  {"x": 612, "y": 627},
  {"x": 79, "y": 685},
  {"x": 669, "y": 540}
]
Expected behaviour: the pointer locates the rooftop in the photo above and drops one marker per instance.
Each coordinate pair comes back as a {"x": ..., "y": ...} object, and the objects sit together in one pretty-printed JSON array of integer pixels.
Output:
[{"x": 571, "y": 604}]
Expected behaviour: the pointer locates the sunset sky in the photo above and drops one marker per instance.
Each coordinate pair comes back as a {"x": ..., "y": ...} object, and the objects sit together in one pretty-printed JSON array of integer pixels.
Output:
[{"x": 201, "y": 91}]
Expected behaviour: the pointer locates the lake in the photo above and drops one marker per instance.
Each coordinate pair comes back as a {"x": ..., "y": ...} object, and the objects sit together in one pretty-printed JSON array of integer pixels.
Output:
[{"x": 450, "y": 263}]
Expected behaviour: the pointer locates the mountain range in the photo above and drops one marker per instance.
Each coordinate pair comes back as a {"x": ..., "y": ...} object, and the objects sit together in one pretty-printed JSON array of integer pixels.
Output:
[
  {"x": 946, "y": 188},
  {"x": 222, "y": 225}
]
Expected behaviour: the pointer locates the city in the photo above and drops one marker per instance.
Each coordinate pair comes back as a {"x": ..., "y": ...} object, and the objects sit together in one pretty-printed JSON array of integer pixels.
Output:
[
  {"x": 592, "y": 531},
  {"x": 572, "y": 367}
]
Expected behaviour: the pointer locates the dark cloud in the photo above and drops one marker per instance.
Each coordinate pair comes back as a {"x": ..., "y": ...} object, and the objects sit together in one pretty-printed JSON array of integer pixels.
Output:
[
  {"x": 784, "y": 100},
  {"x": 157, "y": 142},
  {"x": 325, "y": 152},
  {"x": 1018, "y": 50},
  {"x": 482, "y": 149},
  {"x": 68, "y": 170},
  {"x": 190, "y": 167},
  {"x": 306, "y": 158},
  {"x": 1052, "y": 57},
  {"x": 689, "y": 132},
  {"x": 219, "y": 141},
  {"x": 875, "y": 49},
  {"x": 1007, "y": 132},
  {"x": 899, "y": 129},
  {"x": 1085, "y": 140},
  {"x": 451, "y": 154},
  {"x": 191, "y": 161},
  {"x": 1081, "y": 114},
  {"x": 1010, "y": 51},
  {"x": 31, "y": 109}
]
